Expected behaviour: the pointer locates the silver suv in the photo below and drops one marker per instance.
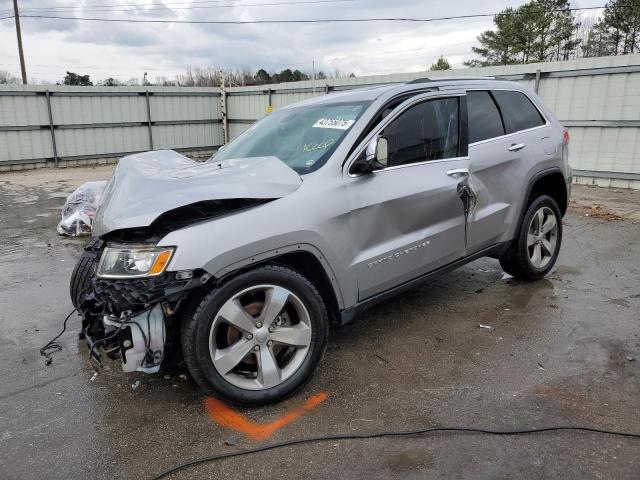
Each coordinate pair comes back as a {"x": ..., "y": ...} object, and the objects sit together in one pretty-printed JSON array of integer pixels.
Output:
[{"x": 238, "y": 265}]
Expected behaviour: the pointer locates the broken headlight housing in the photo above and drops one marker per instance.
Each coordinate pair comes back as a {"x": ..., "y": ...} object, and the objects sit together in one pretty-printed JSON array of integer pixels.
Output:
[{"x": 134, "y": 261}]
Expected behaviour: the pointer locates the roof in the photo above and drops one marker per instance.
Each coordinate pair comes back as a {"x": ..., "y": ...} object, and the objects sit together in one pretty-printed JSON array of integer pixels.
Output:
[{"x": 373, "y": 92}]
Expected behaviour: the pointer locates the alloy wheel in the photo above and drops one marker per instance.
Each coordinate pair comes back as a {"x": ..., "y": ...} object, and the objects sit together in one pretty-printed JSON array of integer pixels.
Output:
[
  {"x": 542, "y": 237},
  {"x": 260, "y": 337}
]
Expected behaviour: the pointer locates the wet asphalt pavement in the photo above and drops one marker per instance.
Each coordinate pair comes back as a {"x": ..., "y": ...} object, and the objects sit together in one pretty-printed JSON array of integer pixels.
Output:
[{"x": 564, "y": 350}]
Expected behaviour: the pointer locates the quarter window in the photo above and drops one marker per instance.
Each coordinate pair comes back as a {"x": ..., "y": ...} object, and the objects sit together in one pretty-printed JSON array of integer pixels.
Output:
[
  {"x": 427, "y": 131},
  {"x": 484, "y": 117},
  {"x": 517, "y": 110}
]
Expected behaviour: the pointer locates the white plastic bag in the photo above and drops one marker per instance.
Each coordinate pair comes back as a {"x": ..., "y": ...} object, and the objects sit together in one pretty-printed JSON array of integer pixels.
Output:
[{"x": 79, "y": 210}]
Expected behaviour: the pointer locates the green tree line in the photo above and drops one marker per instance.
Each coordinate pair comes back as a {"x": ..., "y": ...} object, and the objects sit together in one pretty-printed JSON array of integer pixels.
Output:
[{"x": 548, "y": 30}]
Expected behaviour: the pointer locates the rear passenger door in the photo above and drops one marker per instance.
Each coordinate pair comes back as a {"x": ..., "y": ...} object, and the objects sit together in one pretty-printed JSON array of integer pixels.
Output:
[{"x": 505, "y": 129}]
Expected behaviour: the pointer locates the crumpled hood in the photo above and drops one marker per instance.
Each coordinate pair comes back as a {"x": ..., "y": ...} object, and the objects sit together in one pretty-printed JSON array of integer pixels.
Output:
[{"x": 145, "y": 185}]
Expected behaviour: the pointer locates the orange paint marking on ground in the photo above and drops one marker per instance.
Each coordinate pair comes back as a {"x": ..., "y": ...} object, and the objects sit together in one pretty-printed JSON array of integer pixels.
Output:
[{"x": 225, "y": 416}]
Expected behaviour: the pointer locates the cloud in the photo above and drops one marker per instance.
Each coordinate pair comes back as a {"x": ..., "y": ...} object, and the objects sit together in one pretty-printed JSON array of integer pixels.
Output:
[{"x": 124, "y": 50}]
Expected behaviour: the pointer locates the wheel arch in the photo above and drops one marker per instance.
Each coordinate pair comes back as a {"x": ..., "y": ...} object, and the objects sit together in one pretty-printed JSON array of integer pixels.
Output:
[
  {"x": 305, "y": 259},
  {"x": 548, "y": 182}
]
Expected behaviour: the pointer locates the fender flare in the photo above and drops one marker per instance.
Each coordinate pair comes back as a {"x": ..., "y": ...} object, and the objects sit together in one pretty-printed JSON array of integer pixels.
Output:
[
  {"x": 534, "y": 178},
  {"x": 280, "y": 251}
]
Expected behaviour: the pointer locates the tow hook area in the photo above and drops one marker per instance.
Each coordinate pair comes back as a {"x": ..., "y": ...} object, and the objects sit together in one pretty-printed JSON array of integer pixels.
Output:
[{"x": 140, "y": 338}]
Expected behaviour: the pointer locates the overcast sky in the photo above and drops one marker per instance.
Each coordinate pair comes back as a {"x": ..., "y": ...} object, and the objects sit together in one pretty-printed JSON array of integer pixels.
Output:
[{"x": 125, "y": 50}]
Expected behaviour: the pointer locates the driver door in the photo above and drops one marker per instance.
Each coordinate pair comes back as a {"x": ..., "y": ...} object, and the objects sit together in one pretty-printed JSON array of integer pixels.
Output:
[{"x": 407, "y": 218}]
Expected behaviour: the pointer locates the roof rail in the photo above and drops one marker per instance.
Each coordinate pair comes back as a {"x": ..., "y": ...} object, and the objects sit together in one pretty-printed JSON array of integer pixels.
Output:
[{"x": 440, "y": 79}]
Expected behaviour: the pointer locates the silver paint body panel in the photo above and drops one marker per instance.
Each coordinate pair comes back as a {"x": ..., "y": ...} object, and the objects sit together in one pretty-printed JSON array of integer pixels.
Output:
[
  {"x": 145, "y": 185},
  {"x": 371, "y": 232}
]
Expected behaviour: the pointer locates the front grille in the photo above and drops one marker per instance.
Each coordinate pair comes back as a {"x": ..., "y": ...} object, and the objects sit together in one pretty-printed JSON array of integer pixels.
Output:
[{"x": 135, "y": 293}]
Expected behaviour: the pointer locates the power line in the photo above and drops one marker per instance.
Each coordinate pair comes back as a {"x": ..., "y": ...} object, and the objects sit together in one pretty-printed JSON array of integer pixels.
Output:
[
  {"x": 137, "y": 4},
  {"x": 290, "y": 21},
  {"x": 152, "y": 7}
]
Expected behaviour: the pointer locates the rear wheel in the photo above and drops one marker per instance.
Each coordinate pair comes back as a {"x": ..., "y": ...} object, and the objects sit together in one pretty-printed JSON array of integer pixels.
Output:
[
  {"x": 258, "y": 338},
  {"x": 535, "y": 251}
]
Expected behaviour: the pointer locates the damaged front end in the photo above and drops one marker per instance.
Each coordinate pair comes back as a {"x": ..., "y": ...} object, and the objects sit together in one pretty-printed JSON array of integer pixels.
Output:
[
  {"x": 135, "y": 320},
  {"x": 131, "y": 302}
]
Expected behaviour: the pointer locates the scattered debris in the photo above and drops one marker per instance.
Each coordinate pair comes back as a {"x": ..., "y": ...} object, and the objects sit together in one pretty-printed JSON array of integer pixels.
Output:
[
  {"x": 486, "y": 327},
  {"x": 382, "y": 360},
  {"x": 135, "y": 385},
  {"x": 95, "y": 375},
  {"x": 351, "y": 427},
  {"x": 596, "y": 211}
]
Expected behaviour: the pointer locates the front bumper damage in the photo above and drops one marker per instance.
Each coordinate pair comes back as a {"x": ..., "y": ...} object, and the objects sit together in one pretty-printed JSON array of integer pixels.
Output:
[{"x": 137, "y": 321}]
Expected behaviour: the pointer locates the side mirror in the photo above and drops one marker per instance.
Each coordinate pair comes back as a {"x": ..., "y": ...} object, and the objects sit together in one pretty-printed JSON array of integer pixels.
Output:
[{"x": 374, "y": 157}]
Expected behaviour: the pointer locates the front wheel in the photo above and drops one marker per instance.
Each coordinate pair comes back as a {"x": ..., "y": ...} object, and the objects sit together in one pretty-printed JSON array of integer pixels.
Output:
[
  {"x": 81, "y": 278},
  {"x": 535, "y": 250},
  {"x": 257, "y": 338}
]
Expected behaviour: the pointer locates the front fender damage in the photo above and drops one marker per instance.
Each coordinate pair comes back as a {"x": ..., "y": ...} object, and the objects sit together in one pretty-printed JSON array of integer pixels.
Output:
[{"x": 150, "y": 195}]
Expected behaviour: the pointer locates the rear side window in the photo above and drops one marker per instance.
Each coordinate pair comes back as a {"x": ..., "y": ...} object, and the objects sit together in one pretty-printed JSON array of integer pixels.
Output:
[
  {"x": 484, "y": 117},
  {"x": 517, "y": 111},
  {"x": 427, "y": 131}
]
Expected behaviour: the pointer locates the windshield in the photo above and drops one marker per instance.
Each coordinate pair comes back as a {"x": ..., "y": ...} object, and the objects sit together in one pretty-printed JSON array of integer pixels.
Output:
[{"x": 302, "y": 137}]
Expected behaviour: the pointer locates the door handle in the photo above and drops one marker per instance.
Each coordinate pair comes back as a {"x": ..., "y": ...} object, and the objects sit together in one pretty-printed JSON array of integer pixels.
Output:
[
  {"x": 516, "y": 146},
  {"x": 458, "y": 173}
]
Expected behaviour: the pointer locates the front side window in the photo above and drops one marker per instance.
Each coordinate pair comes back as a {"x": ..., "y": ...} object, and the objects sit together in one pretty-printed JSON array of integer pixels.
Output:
[
  {"x": 427, "y": 131},
  {"x": 517, "y": 110},
  {"x": 484, "y": 117},
  {"x": 302, "y": 137}
]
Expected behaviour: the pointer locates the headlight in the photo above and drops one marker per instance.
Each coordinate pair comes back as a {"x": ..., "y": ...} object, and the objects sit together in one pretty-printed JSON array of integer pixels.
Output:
[{"x": 120, "y": 261}]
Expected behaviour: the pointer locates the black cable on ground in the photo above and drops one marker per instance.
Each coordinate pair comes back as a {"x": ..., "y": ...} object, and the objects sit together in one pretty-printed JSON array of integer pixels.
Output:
[
  {"x": 326, "y": 438},
  {"x": 52, "y": 346}
]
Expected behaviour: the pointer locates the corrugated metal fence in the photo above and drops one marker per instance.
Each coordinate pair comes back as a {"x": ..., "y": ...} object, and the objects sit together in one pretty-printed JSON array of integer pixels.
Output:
[
  {"x": 598, "y": 99},
  {"x": 55, "y": 124}
]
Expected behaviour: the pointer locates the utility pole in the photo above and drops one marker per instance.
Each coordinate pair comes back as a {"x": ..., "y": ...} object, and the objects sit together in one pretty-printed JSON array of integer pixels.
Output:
[
  {"x": 223, "y": 109},
  {"x": 313, "y": 67},
  {"x": 19, "y": 34}
]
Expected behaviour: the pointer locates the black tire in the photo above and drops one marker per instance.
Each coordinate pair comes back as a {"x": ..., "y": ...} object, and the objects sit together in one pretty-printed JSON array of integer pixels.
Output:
[
  {"x": 197, "y": 325},
  {"x": 81, "y": 278},
  {"x": 515, "y": 261}
]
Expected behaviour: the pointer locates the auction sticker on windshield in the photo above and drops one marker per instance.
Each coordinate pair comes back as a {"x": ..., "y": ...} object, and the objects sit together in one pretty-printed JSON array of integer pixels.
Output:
[{"x": 336, "y": 123}]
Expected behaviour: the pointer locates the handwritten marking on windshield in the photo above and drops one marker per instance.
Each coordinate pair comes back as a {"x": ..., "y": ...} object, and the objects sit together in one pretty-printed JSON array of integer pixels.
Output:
[{"x": 312, "y": 147}]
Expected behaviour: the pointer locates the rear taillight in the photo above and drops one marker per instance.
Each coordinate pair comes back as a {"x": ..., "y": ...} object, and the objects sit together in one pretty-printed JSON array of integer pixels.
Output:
[{"x": 565, "y": 137}]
